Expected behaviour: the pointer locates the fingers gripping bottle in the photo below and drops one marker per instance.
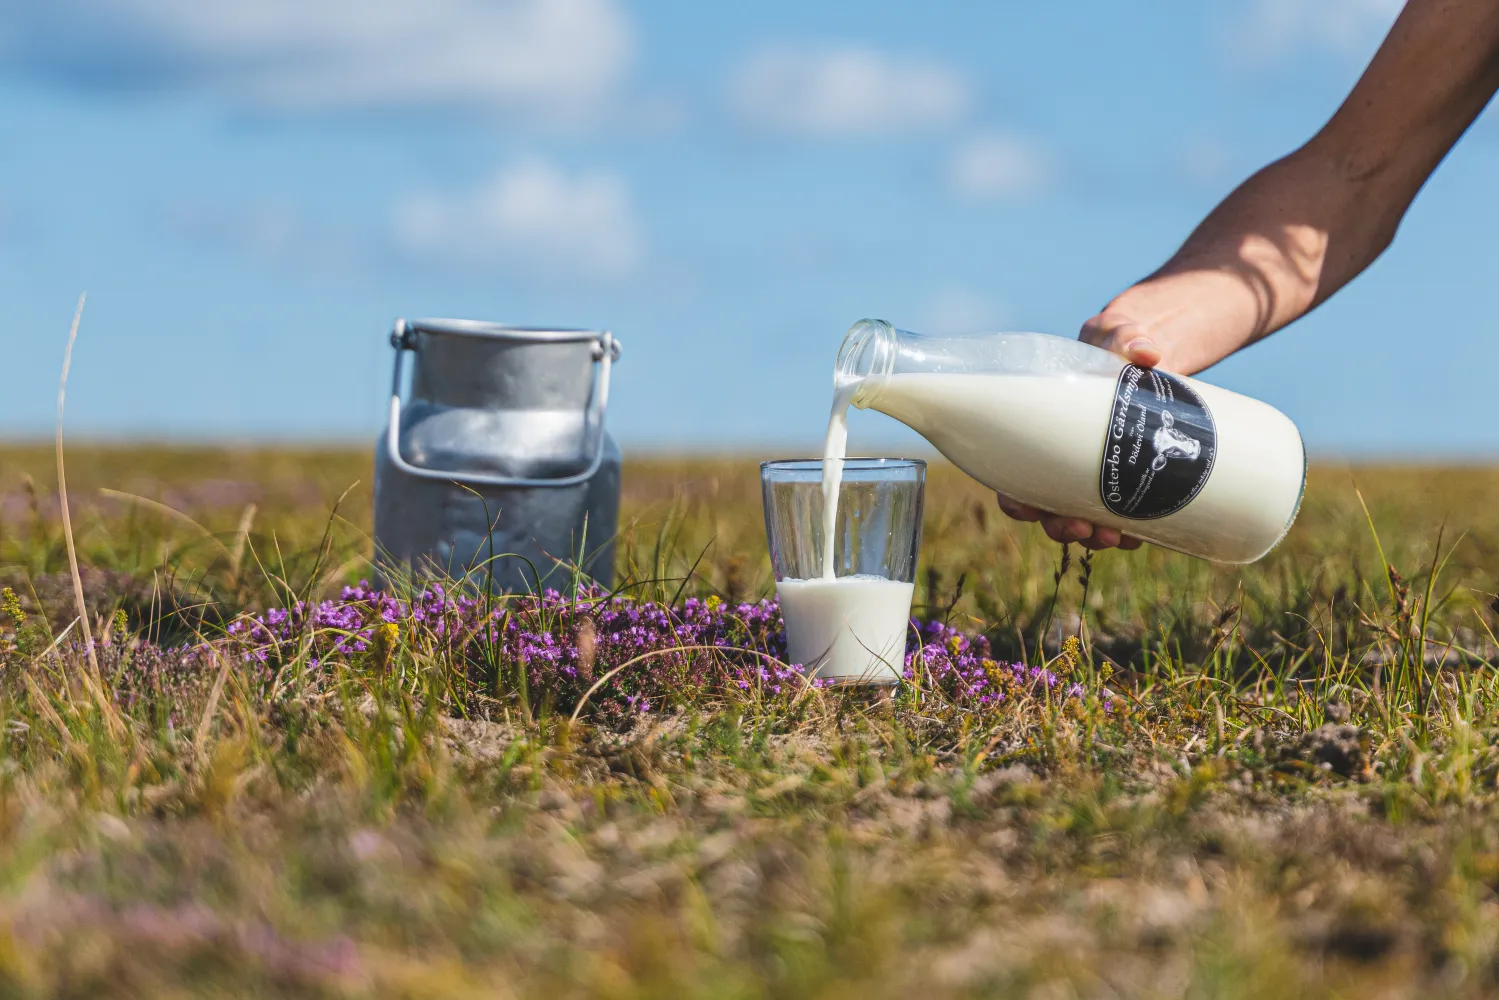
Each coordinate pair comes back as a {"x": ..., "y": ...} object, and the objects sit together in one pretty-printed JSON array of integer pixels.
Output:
[{"x": 1076, "y": 430}]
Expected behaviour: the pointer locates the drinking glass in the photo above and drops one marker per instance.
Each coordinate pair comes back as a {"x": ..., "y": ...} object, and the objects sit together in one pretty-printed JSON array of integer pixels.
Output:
[{"x": 850, "y": 628}]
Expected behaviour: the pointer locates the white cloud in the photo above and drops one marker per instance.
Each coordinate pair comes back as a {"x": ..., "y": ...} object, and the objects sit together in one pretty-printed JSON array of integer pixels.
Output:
[
  {"x": 530, "y": 217},
  {"x": 548, "y": 57},
  {"x": 994, "y": 167},
  {"x": 955, "y": 310},
  {"x": 846, "y": 91},
  {"x": 1273, "y": 29},
  {"x": 274, "y": 231}
]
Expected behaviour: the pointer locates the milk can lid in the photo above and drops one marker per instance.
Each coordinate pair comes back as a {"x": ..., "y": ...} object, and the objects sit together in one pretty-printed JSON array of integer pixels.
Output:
[{"x": 501, "y": 331}]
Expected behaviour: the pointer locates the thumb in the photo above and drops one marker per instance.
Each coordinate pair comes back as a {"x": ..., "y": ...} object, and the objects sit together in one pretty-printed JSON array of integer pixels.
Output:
[{"x": 1124, "y": 337}]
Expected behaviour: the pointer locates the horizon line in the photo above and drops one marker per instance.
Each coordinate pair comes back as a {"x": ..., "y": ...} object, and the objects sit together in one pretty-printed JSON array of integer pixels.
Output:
[{"x": 759, "y": 450}]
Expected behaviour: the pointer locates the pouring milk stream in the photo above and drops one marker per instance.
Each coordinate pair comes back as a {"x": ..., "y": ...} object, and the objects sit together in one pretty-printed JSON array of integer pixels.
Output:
[{"x": 1073, "y": 429}]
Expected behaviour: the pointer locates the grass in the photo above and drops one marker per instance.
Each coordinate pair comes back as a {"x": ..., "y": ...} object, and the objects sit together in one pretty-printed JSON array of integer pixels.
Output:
[{"x": 1277, "y": 780}]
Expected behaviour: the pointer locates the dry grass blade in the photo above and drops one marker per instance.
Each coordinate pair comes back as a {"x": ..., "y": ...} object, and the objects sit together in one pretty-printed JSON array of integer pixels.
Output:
[
  {"x": 172, "y": 512},
  {"x": 241, "y": 539},
  {"x": 605, "y": 678},
  {"x": 43, "y": 704},
  {"x": 62, "y": 493},
  {"x": 200, "y": 736},
  {"x": 93, "y": 677},
  {"x": 52, "y": 648}
]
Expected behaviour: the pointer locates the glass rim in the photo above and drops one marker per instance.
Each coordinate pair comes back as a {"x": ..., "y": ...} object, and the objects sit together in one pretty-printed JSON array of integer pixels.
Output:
[{"x": 856, "y": 464}]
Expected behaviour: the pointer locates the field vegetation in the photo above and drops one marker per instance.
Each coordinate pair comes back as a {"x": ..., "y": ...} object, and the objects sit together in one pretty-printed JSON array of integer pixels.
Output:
[{"x": 1108, "y": 775}]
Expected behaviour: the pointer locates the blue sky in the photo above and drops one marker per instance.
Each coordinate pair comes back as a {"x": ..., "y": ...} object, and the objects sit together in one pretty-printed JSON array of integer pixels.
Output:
[{"x": 251, "y": 193}]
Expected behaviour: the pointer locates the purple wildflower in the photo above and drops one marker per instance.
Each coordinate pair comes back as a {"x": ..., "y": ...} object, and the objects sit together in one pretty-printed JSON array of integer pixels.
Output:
[{"x": 535, "y": 634}]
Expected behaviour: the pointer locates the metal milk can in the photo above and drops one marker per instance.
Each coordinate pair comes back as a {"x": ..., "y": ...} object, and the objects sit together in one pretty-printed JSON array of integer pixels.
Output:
[{"x": 498, "y": 466}]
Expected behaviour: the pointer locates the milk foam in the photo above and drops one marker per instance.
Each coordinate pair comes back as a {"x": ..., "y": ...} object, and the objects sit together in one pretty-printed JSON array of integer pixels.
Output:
[{"x": 849, "y": 628}]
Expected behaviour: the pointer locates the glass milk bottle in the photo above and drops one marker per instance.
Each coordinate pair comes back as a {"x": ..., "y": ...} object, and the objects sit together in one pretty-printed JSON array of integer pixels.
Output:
[{"x": 1076, "y": 430}]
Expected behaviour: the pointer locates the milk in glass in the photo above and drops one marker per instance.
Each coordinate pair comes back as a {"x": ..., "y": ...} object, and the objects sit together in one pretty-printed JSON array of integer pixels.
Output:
[{"x": 847, "y": 627}]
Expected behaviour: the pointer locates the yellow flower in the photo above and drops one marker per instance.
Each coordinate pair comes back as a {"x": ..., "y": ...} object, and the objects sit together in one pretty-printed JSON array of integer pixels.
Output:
[
  {"x": 11, "y": 604},
  {"x": 26, "y": 635},
  {"x": 383, "y": 644}
]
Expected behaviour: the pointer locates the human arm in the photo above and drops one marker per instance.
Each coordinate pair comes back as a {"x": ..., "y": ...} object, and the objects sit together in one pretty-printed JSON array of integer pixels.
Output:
[
  {"x": 1300, "y": 229},
  {"x": 1303, "y": 227}
]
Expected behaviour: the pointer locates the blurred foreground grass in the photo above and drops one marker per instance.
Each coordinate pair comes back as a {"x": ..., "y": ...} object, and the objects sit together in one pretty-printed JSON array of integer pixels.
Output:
[{"x": 1281, "y": 780}]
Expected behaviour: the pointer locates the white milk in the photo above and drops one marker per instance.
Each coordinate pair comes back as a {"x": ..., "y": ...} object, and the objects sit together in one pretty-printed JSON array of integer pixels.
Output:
[
  {"x": 849, "y": 628},
  {"x": 1041, "y": 438},
  {"x": 834, "y": 448}
]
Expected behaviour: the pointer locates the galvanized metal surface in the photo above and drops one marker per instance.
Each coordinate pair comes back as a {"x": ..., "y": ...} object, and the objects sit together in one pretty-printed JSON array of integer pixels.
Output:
[{"x": 498, "y": 466}]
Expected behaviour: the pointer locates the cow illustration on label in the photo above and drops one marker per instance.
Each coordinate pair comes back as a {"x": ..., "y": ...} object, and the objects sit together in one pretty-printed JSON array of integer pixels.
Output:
[
  {"x": 1172, "y": 443},
  {"x": 1160, "y": 445}
]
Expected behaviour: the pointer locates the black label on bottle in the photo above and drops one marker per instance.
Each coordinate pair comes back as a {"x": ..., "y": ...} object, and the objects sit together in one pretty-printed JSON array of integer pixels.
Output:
[{"x": 1160, "y": 446}]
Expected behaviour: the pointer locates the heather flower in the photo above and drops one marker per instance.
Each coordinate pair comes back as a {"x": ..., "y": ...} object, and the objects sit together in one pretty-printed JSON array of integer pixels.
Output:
[
  {"x": 963, "y": 669},
  {"x": 642, "y": 655}
]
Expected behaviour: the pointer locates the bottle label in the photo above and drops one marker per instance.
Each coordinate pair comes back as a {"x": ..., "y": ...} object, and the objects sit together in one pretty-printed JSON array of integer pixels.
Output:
[{"x": 1160, "y": 446}]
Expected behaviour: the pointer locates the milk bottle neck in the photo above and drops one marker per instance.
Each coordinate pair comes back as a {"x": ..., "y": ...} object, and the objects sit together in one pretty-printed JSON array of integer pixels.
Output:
[
  {"x": 869, "y": 350},
  {"x": 874, "y": 349}
]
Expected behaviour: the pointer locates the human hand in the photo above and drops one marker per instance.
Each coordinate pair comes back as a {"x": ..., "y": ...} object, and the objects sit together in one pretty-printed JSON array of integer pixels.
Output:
[
  {"x": 1118, "y": 333},
  {"x": 1182, "y": 321},
  {"x": 1069, "y": 529},
  {"x": 1175, "y": 321}
]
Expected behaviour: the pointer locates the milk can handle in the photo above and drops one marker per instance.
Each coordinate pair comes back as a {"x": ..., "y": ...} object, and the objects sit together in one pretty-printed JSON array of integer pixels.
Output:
[{"x": 605, "y": 350}]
